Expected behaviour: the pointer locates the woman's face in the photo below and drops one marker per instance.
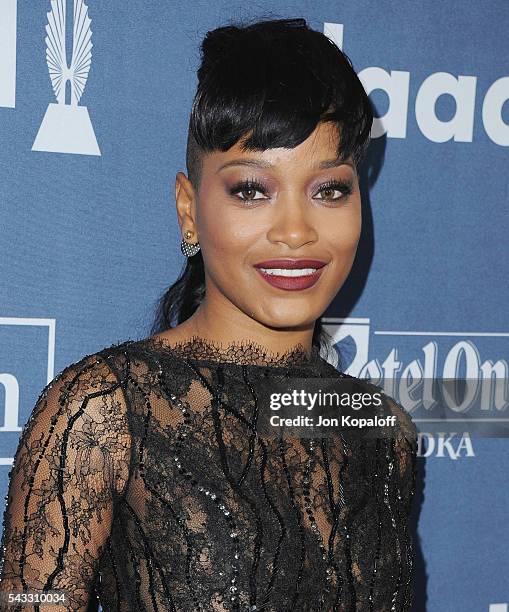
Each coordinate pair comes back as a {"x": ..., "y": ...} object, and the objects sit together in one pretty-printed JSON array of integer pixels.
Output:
[{"x": 279, "y": 204}]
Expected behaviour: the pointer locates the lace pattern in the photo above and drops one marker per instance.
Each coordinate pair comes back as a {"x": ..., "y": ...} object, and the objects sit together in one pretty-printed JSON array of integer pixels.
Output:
[
  {"x": 140, "y": 480},
  {"x": 237, "y": 353}
]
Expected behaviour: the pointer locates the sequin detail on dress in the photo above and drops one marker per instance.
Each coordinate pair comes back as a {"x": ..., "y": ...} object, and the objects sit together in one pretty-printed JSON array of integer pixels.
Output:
[{"x": 140, "y": 479}]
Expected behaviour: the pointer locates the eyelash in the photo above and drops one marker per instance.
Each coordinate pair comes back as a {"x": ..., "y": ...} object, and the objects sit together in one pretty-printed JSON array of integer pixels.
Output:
[{"x": 345, "y": 186}]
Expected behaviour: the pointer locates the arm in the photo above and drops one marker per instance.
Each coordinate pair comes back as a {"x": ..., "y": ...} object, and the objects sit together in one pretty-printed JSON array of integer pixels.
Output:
[
  {"x": 405, "y": 446},
  {"x": 71, "y": 463}
]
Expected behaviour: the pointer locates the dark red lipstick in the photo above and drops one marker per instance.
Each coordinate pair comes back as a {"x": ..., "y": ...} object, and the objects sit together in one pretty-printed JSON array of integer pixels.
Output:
[{"x": 281, "y": 277}]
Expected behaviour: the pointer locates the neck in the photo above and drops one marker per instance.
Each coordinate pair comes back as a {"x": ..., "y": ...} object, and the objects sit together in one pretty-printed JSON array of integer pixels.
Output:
[{"x": 226, "y": 325}]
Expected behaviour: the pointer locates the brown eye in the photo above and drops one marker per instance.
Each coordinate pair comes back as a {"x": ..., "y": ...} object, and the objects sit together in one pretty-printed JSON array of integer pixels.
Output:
[
  {"x": 344, "y": 188},
  {"x": 250, "y": 188},
  {"x": 250, "y": 194},
  {"x": 329, "y": 193}
]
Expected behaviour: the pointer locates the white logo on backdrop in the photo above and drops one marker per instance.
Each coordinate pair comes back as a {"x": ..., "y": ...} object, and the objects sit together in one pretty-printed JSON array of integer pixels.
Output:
[
  {"x": 8, "y": 10},
  {"x": 54, "y": 134},
  {"x": 66, "y": 128},
  {"x": 463, "y": 89},
  {"x": 10, "y": 382},
  {"x": 350, "y": 338},
  {"x": 445, "y": 445}
]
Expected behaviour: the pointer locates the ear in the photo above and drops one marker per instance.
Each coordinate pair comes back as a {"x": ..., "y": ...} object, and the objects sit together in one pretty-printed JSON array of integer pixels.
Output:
[{"x": 185, "y": 200}]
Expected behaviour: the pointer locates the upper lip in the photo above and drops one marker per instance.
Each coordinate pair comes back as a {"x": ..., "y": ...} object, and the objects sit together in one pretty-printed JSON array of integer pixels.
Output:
[{"x": 291, "y": 263}]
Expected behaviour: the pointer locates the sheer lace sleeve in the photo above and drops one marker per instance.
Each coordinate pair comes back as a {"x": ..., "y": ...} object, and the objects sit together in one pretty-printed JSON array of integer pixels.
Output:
[
  {"x": 405, "y": 446},
  {"x": 71, "y": 463}
]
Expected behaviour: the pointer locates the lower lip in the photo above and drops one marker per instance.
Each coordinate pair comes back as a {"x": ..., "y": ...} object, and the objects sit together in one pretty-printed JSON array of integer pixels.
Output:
[{"x": 291, "y": 283}]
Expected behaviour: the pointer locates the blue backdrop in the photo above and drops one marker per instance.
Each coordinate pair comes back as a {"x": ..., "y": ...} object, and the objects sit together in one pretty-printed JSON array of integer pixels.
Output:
[{"x": 90, "y": 239}]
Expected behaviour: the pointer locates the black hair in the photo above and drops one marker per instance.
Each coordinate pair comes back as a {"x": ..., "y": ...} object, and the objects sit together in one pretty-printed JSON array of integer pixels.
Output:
[{"x": 265, "y": 84}]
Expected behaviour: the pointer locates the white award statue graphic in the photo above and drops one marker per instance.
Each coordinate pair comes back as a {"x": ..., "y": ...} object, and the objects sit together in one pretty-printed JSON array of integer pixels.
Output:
[{"x": 66, "y": 128}]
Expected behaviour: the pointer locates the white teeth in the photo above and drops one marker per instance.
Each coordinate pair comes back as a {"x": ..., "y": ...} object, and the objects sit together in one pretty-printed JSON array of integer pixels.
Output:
[{"x": 288, "y": 271}]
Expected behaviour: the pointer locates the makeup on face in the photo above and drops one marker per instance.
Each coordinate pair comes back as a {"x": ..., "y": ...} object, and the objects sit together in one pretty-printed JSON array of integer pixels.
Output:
[
  {"x": 262, "y": 184},
  {"x": 291, "y": 274}
]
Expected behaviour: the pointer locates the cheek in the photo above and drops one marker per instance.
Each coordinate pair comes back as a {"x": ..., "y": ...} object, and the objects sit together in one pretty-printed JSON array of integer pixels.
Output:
[
  {"x": 343, "y": 235},
  {"x": 226, "y": 233}
]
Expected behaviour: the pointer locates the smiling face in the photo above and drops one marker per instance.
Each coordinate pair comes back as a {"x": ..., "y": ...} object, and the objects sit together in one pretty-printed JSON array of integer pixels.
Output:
[{"x": 281, "y": 203}]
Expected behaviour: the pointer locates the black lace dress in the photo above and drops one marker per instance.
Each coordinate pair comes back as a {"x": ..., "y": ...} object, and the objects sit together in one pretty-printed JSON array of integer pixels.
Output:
[{"x": 140, "y": 480}]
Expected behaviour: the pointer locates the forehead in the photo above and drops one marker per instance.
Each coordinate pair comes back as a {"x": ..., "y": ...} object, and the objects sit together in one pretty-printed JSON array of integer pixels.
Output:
[{"x": 321, "y": 145}]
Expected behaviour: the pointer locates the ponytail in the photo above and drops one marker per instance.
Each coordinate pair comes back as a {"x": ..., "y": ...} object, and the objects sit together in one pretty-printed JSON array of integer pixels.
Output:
[{"x": 183, "y": 297}]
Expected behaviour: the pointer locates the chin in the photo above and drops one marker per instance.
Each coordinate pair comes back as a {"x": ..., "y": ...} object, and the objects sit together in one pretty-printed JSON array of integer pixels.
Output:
[{"x": 287, "y": 317}]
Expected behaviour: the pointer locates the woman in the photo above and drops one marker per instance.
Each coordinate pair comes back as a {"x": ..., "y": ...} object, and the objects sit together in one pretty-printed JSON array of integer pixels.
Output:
[{"x": 141, "y": 477}]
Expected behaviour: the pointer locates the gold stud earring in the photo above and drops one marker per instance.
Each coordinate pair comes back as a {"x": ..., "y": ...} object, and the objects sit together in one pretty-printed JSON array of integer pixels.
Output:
[{"x": 189, "y": 249}]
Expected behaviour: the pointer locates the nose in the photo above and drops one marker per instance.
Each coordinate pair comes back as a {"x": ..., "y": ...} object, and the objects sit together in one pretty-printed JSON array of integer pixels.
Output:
[{"x": 291, "y": 224}]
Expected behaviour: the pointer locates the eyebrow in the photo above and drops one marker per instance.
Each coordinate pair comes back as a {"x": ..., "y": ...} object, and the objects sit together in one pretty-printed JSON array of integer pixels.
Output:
[{"x": 258, "y": 163}]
